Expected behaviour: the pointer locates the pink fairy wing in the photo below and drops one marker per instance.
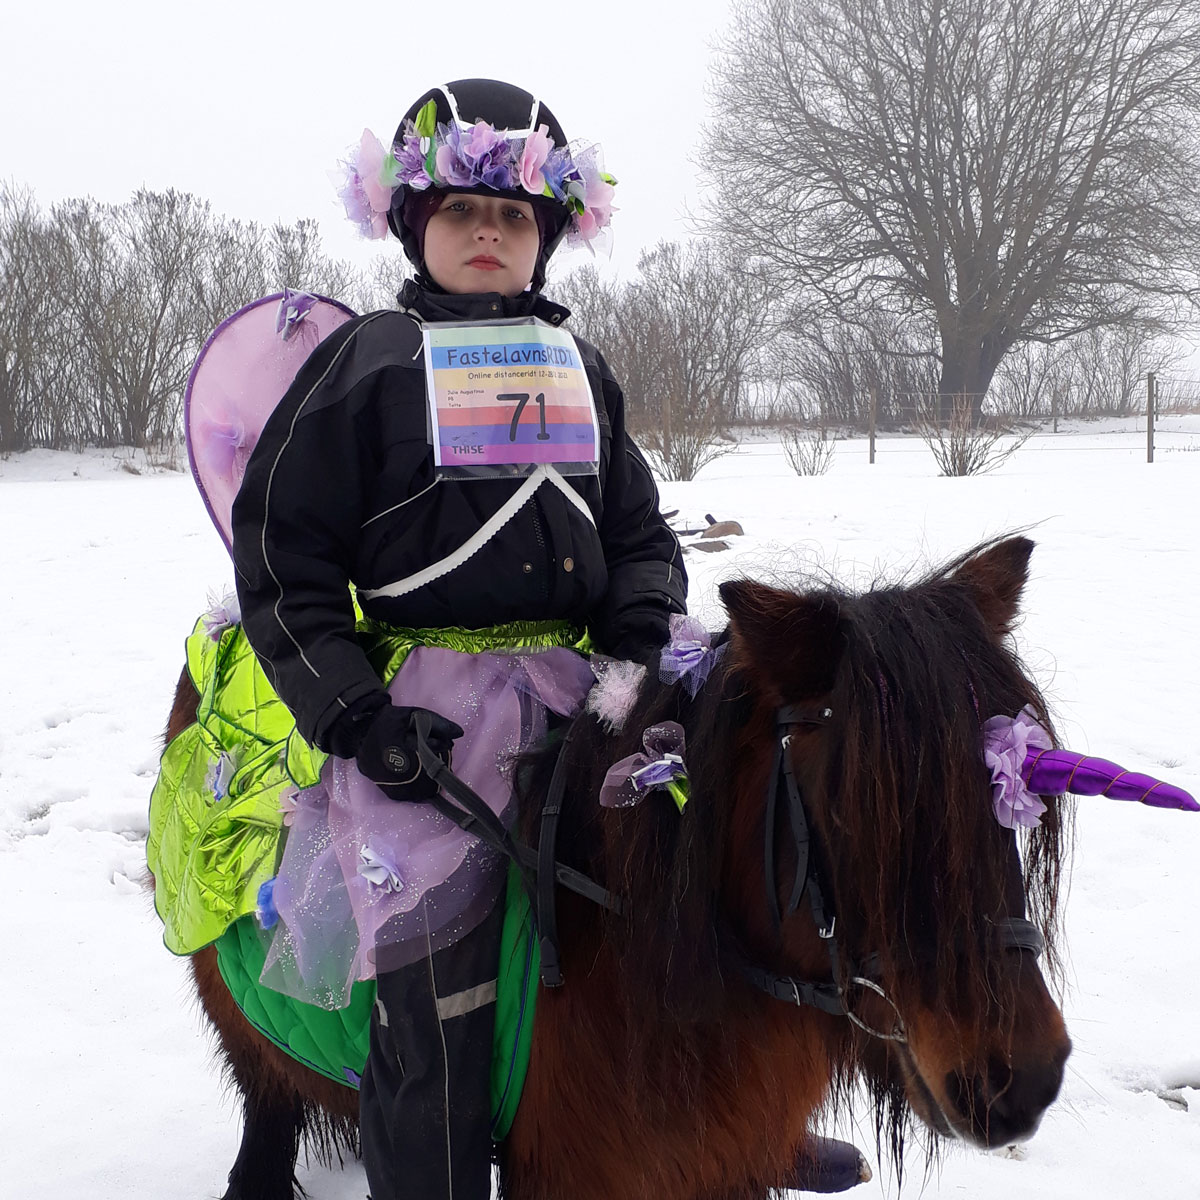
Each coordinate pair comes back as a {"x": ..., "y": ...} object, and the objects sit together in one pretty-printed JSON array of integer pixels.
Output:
[
  {"x": 242, "y": 372},
  {"x": 1053, "y": 772}
]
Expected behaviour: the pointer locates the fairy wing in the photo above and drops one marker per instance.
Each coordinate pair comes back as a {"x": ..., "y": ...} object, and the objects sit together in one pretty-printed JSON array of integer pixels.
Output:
[{"x": 245, "y": 367}]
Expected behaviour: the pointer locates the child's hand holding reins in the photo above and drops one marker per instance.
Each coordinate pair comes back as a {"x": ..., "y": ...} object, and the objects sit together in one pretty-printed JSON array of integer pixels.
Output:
[{"x": 388, "y": 754}]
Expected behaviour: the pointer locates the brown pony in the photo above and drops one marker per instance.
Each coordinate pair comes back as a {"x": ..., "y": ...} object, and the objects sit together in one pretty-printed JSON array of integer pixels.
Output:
[{"x": 663, "y": 1068}]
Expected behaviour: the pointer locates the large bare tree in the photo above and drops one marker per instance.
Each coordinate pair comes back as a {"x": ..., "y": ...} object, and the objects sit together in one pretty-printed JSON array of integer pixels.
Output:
[{"x": 1012, "y": 169}]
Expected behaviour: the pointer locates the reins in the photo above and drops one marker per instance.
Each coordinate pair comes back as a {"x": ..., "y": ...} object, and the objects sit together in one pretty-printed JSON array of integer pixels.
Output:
[{"x": 540, "y": 871}]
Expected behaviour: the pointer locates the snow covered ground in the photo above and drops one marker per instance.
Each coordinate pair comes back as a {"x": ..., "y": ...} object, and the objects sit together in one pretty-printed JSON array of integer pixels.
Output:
[{"x": 106, "y": 1085}]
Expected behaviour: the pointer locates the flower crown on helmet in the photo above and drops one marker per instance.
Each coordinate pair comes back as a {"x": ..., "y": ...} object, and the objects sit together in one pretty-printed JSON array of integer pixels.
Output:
[{"x": 463, "y": 156}]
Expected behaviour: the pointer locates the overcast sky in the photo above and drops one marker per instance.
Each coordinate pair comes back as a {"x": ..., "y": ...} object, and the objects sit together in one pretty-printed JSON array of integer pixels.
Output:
[{"x": 249, "y": 104}]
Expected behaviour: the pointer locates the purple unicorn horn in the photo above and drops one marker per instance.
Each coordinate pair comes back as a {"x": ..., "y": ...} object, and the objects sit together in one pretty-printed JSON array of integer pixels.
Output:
[
  {"x": 1052, "y": 772},
  {"x": 1025, "y": 766}
]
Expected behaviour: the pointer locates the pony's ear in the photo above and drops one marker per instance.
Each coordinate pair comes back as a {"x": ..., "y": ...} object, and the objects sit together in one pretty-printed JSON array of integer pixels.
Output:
[
  {"x": 996, "y": 577},
  {"x": 791, "y": 642}
]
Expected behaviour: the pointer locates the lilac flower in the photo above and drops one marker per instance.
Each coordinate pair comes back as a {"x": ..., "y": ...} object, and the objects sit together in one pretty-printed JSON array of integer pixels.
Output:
[
  {"x": 358, "y": 208},
  {"x": 557, "y": 171},
  {"x": 220, "y": 775},
  {"x": 593, "y": 195},
  {"x": 618, "y": 684},
  {"x": 627, "y": 781},
  {"x": 488, "y": 152},
  {"x": 222, "y": 614},
  {"x": 266, "y": 912},
  {"x": 533, "y": 157},
  {"x": 689, "y": 656},
  {"x": 1006, "y": 741},
  {"x": 293, "y": 308},
  {"x": 410, "y": 162},
  {"x": 378, "y": 867},
  {"x": 367, "y": 184},
  {"x": 453, "y": 168},
  {"x": 288, "y": 800}
]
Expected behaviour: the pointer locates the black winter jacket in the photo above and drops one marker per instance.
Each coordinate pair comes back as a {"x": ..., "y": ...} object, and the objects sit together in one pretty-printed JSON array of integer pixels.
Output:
[{"x": 341, "y": 487}]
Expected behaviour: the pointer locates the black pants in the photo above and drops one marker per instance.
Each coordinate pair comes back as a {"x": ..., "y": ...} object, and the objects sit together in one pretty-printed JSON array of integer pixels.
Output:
[{"x": 424, "y": 1102}]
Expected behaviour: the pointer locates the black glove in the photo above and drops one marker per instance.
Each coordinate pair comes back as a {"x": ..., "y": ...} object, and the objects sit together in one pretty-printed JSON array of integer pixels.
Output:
[{"x": 388, "y": 753}]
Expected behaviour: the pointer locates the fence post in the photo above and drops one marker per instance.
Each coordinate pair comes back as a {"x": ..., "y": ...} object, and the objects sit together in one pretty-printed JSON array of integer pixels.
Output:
[
  {"x": 1151, "y": 396},
  {"x": 871, "y": 427}
]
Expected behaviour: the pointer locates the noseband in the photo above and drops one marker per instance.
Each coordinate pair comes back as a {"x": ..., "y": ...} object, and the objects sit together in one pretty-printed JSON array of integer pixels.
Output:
[{"x": 848, "y": 978}]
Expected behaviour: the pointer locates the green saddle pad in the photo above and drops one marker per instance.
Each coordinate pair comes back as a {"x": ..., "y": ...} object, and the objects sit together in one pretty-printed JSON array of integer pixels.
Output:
[{"x": 334, "y": 1043}]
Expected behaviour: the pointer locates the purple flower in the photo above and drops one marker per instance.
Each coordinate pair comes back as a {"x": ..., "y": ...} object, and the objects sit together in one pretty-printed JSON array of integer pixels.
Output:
[
  {"x": 453, "y": 168},
  {"x": 558, "y": 170},
  {"x": 410, "y": 162},
  {"x": 1006, "y": 742},
  {"x": 627, "y": 781},
  {"x": 358, "y": 208},
  {"x": 293, "y": 308},
  {"x": 689, "y": 656},
  {"x": 266, "y": 912},
  {"x": 222, "y": 614},
  {"x": 220, "y": 776},
  {"x": 366, "y": 186},
  {"x": 488, "y": 153},
  {"x": 288, "y": 800},
  {"x": 378, "y": 867}
]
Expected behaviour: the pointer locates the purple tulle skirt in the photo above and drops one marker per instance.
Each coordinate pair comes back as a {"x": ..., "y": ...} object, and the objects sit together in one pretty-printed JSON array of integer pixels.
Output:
[{"x": 368, "y": 884}]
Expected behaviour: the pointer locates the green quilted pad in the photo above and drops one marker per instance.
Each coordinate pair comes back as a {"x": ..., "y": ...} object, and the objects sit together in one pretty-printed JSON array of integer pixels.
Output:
[{"x": 334, "y": 1043}]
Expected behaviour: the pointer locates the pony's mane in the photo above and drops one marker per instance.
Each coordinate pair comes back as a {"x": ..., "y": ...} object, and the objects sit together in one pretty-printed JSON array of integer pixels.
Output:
[{"x": 897, "y": 784}]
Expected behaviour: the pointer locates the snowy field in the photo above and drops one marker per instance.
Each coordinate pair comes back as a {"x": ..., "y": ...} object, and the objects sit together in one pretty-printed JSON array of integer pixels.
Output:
[{"x": 107, "y": 1088}]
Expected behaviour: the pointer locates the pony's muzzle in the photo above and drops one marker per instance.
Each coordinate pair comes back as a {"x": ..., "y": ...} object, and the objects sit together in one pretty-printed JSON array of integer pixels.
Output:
[{"x": 1004, "y": 1104}]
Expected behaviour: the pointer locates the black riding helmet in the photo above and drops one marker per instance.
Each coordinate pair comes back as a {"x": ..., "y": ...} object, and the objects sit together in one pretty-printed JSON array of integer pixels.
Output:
[{"x": 502, "y": 106}]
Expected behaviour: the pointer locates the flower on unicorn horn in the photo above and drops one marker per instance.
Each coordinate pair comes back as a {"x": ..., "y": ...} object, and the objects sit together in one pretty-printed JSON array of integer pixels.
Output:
[{"x": 1006, "y": 744}]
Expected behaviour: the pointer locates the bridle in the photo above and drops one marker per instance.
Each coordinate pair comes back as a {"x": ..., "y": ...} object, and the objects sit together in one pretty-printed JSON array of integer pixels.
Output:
[
  {"x": 833, "y": 995},
  {"x": 540, "y": 872}
]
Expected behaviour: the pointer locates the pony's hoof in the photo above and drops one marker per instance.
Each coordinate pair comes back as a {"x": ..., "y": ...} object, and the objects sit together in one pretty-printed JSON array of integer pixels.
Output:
[{"x": 826, "y": 1165}]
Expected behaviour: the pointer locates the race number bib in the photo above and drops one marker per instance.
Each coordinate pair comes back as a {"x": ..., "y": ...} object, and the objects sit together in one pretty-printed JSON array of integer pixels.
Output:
[{"x": 505, "y": 397}]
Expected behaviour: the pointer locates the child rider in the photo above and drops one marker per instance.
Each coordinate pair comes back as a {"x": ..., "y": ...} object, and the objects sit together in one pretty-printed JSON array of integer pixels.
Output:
[{"x": 343, "y": 488}]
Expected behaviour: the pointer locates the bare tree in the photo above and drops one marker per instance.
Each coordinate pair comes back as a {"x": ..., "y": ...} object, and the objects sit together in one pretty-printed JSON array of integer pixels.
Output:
[
  {"x": 1015, "y": 169},
  {"x": 128, "y": 278},
  {"x": 819, "y": 369},
  {"x": 32, "y": 362},
  {"x": 682, "y": 339},
  {"x": 962, "y": 446}
]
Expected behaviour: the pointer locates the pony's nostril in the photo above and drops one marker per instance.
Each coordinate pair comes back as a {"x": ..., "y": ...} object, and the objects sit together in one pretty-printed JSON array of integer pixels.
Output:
[{"x": 1006, "y": 1104}]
